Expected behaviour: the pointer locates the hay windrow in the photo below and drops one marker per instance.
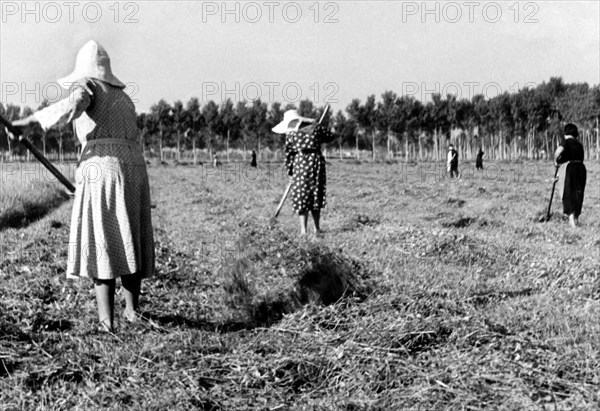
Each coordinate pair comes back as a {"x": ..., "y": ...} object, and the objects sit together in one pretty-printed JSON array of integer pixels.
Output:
[
  {"x": 19, "y": 208},
  {"x": 289, "y": 274}
]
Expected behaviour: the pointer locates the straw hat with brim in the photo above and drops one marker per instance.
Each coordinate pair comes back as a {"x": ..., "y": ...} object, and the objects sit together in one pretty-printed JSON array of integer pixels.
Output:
[
  {"x": 92, "y": 61},
  {"x": 288, "y": 117}
]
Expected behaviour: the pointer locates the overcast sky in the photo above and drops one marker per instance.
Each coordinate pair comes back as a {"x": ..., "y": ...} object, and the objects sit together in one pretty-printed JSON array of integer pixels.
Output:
[{"x": 283, "y": 51}]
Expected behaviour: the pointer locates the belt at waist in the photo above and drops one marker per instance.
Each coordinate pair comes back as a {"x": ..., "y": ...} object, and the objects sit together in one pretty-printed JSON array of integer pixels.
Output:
[
  {"x": 310, "y": 151},
  {"x": 111, "y": 141}
]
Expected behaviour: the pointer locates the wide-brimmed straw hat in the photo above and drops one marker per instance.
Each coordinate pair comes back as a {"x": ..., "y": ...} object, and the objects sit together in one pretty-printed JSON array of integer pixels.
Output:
[
  {"x": 92, "y": 61},
  {"x": 288, "y": 117}
]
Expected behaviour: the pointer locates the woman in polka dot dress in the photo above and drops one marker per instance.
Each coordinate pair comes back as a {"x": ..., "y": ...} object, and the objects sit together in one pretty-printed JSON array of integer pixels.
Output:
[
  {"x": 111, "y": 230},
  {"x": 306, "y": 165}
]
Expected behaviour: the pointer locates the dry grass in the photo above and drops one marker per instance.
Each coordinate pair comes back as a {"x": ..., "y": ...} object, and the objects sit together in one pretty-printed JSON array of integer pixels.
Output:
[
  {"x": 21, "y": 208},
  {"x": 26, "y": 194},
  {"x": 449, "y": 296}
]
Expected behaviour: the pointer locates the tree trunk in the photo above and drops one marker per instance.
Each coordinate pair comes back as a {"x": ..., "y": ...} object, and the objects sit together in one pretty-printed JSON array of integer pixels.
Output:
[
  {"x": 388, "y": 146},
  {"x": 194, "y": 150},
  {"x": 228, "y": 145},
  {"x": 259, "y": 151},
  {"x": 340, "y": 144},
  {"x": 143, "y": 144},
  {"x": 598, "y": 138},
  {"x": 178, "y": 147},
  {"x": 373, "y": 145},
  {"x": 436, "y": 145},
  {"x": 60, "y": 147},
  {"x": 160, "y": 146},
  {"x": 357, "y": 152}
]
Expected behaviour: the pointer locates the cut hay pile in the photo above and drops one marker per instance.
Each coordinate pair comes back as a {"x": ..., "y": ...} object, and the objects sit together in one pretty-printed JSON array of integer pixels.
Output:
[{"x": 274, "y": 274}]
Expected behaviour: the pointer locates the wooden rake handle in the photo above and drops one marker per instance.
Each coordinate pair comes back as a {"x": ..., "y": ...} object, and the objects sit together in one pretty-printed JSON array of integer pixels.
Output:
[
  {"x": 36, "y": 153},
  {"x": 552, "y": 193}
]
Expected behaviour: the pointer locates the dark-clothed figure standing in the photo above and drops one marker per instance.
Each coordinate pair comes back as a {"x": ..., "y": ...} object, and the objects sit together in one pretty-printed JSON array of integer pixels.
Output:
[
  {"x": 305, "y": 164},
  {"x": 452, "y": 161},
  {"x": 253, "y": 161},
  {"x": 572, "y": 174},
  {"x": 479, "y": 160}
]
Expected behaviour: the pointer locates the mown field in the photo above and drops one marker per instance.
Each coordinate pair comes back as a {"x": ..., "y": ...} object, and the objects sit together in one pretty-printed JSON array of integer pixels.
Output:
[{"x": 421, "y": 294}]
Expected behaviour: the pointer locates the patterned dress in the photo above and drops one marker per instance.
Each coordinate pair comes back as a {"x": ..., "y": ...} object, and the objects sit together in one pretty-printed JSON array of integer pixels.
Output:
[
  {"x": 306, "y": 165},
  {"x": 572, "y": 176},
  {"x": 111, "y": 229}
]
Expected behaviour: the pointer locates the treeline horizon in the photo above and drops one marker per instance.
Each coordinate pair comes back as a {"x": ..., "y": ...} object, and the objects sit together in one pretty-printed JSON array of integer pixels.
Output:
[{"x": 526, "y": 124}]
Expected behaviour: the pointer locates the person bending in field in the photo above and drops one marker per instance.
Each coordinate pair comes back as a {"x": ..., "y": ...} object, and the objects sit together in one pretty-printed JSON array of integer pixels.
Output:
[
  {"x": 479, "y": 160},
  {"x": 305, "y": 165},
  {"x": 111, "y": 229},
  {"x": 452, "y": 163},
  {"x": 572, "y": 174}
]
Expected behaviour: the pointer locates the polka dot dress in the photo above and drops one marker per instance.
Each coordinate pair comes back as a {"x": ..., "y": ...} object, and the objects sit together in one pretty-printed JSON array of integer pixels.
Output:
[
  {"x": 306, "y": 165},
  {"x": 111, "y": 229}
]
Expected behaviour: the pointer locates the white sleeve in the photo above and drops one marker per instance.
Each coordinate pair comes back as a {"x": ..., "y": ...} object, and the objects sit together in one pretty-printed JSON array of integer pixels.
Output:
[{"x": 67, "y": 109}]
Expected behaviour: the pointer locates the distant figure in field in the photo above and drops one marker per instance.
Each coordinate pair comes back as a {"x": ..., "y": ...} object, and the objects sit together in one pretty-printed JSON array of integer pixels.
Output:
[
  {"x": 305, "y": 165},
  {"x": 572, "y": 174},
  {"x": 216, "y": 162},
  {"x": 253, "y": 162},
  {"x": 452, "y": 165},
  {"x": 111, "y": 229},
  {"x": 479, "y": 160}
]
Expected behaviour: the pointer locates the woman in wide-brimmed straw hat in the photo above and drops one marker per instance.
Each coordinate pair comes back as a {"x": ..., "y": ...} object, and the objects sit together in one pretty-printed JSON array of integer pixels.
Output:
[
  {"x": 572, "y": 174},
  {"x": 111, "y": 229},
  {"x": 305, "y": 164}
]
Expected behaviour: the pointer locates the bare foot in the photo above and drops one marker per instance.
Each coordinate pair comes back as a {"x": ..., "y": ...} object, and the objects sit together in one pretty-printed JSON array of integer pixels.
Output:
[
  {"x": 130, "y": 316},
  {"x": 105, "y": 328},
  {"x": 573, "y": 221}
]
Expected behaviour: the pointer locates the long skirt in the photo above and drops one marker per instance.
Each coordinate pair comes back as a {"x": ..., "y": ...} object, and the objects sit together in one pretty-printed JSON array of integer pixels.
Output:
[
  {"x": 308, "y": 182},
  {"x": 111, "y": 227},
  {"x": 572, "y": 177}
]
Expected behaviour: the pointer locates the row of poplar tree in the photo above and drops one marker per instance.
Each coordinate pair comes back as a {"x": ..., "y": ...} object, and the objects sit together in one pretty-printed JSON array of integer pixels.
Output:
[{"x": 525, "y": 124}]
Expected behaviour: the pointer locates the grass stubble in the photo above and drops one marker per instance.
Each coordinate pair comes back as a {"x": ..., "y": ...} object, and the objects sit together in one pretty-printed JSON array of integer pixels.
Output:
[{"x": 420, "y": 295}]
